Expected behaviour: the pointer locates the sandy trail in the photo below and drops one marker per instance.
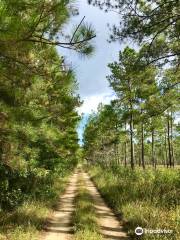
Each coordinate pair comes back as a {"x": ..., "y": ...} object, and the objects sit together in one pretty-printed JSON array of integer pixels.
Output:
[
  {"x": 59, "y": 226},
  {"x": 110, "y": 226}
]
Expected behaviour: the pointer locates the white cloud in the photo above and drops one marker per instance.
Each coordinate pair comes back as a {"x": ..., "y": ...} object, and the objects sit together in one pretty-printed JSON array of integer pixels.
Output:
[{"x": 91, "y": 102}]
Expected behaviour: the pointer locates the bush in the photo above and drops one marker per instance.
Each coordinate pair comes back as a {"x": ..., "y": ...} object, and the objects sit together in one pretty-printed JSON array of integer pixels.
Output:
[
  {"x": 25, "y": 221},
  {"x": 18, "y": 185}
]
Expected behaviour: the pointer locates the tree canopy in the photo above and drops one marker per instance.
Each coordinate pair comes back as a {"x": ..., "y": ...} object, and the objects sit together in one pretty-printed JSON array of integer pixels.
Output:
[{"x": 153, "y": 24}]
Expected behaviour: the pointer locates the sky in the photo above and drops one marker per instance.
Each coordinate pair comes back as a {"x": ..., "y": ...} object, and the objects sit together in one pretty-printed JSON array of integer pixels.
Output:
[{"x": 91, "y": 72}]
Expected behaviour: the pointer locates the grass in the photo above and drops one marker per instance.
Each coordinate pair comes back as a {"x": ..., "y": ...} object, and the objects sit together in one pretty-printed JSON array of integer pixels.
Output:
[
  {"x": 84, "y": 219},
  {"x": 149, "y": 199},
  {"x": 26, "y": 221}
]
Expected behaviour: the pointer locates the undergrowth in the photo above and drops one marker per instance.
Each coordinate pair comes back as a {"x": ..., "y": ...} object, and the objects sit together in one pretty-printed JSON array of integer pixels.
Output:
[
  {"x": 25, "y": 221},
  {"x": 149, "y": 199}
]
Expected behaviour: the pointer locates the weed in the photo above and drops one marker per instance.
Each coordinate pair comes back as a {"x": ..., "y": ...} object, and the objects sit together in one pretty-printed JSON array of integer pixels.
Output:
[{"x": 149, "y": 199}]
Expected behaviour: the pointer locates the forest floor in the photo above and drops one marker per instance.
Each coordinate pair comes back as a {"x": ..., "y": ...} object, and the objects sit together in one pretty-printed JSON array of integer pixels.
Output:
[{"x": 60, "y": 225}]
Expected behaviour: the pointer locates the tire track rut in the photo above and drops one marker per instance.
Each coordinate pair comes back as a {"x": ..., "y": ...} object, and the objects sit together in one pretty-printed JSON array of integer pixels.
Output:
[{"x": 60, "y": 226}]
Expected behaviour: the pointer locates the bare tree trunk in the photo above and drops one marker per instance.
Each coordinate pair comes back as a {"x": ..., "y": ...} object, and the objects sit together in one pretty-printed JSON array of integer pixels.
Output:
[
  {"x": 172, "y": 147},
  {"x": 125, "y": 154},
  {"x": 131, "y": 141},
  {"x": 142, "y": 145},
  {"x": 169, "y": 143},
  {"x": 152, "y": 149},
  {"x": 163, "y": 154},
  {"x": 116, "y": 153},
  {"x": 119, "y": 155},
  {"x": 125, "y": 150},
  {"x": 139, "y": 154},
  {"x": 166, "y": 152}
]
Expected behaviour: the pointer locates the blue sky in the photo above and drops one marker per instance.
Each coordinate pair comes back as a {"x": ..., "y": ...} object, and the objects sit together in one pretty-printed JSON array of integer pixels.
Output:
[{"x": 91, "y": 72}]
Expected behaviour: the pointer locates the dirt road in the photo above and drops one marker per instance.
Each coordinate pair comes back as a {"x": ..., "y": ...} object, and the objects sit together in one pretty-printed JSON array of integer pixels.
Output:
[
  {"x": 110, "y": 227},
  {"x": 60, "y": 227}
]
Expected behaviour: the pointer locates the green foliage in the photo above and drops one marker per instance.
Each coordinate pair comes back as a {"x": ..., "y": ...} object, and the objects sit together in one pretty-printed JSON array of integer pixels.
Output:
[
  {"x": 149, "y": 199},
  {"x": 154, "y": 25},
  {"x": 26, "y": 220},
  {"x": 35, "y": 183},
  {"x": 139, "y": 126},
  {"x": 38, "y": 100}
]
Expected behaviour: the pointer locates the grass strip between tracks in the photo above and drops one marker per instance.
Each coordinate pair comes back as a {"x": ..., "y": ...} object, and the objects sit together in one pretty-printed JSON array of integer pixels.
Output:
[{"x": 85, "y": 220}]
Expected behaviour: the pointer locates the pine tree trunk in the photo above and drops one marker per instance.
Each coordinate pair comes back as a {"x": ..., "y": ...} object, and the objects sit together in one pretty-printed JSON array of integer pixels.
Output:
[
  {"x": 152, "y": 147},
  {"x": 142, "y": 145},
  {"x": 169, "y": 143},
  {"x": 116, "y": 153},
  {"x": 172, "y": 147},
  {"x": 125, "y": 150},
  {"x": 139, "y": 154},
  {"x": 163, "y": 154},
  {"x": 131, "y": 141},
  {"x": 166, "y": 152},
  {"x": 125, "y": 154}
]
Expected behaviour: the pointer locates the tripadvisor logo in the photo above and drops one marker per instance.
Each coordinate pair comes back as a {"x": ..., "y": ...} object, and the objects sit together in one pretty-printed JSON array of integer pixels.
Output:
[{"x": 139, "y": 231}]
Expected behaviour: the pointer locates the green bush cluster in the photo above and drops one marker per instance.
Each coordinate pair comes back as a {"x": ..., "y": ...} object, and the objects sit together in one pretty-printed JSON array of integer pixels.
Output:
[
  {"x": 17, "y": 186},
  {"x": 149, "y": 199},
  {"x": 25, "y": 221}
]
